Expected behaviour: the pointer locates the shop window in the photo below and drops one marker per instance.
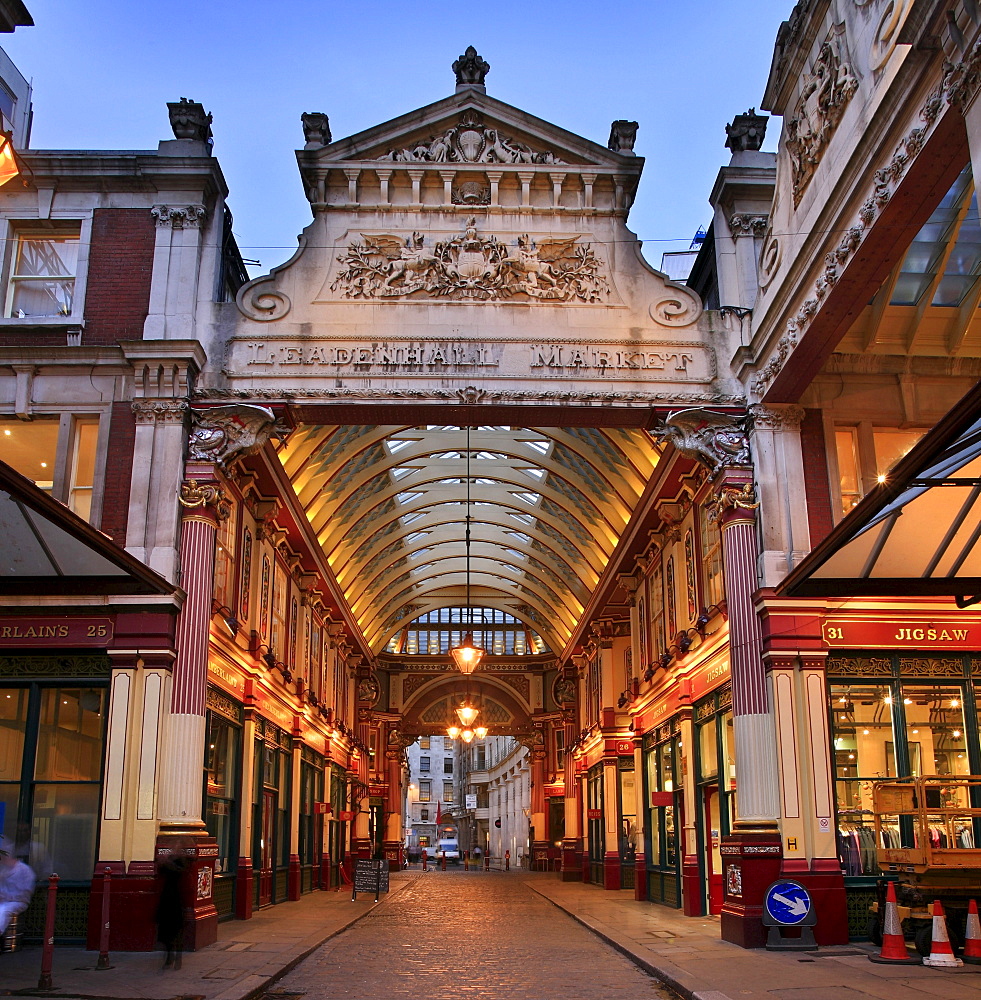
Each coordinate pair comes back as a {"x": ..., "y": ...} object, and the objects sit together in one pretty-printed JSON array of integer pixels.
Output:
[
  {"x": 708, "y": 753},
  {"x": 662, "y": 768},
  {"x": 628, "y": 815},
  {"x": 864, "y": 456},
  {"x": 225, "y": 562},
  {"x": 42, "y": 274},
  {"x": 425, "y": 791},
  {"x": 423, "y": 763},
  {"x": 656, "y": 592},
  {"x": 51, "y": 746},
  {"x": 559, "y": 740},
  {"x": 936, "y": 739},
  {"x": 221, "y": 765},
  {"x": 711, "y": 539},
  {"x": 58, "y": 454},
  {"x": 278, "y": 624},
  {"x": 424, "y": 841},
  {"x": 311, "y": 791}
]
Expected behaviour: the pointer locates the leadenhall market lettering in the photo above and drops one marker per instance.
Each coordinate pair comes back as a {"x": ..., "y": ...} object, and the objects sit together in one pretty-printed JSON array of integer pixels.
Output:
[{"x": 680, "y": 363}]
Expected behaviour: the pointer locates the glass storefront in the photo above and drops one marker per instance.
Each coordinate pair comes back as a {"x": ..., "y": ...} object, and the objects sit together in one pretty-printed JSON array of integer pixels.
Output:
[
  {"x": 628, "y": 821},
  {"x": 52, "y": 740},
  {"x": 311, "y": 824},
  {"x": 271, "y": 806},
  {"x": 222, "y": 770},
  {"x": 665, "y": 821},
  {"x": 898, "y": 716},
  {"x": 716, "y": 771}
]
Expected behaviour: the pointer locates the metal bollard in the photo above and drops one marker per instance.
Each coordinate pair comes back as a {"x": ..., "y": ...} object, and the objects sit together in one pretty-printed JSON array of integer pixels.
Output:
[
  {"x": 47, "y": 953},
  {"x": 466, "y": 861},
  {"x": 425, "y": 859},
  {"x": 103, "y": 963},
  {"x": 443, "y": 861},
  {"x": 486, "y": 862},
  {"x": 507, "y": 861}
]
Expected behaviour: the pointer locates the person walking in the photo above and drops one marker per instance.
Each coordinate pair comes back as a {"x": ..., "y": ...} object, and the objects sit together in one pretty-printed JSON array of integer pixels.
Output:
[
  {"x": 16, "y": 886},
  {"x": 172, "y": 869}
]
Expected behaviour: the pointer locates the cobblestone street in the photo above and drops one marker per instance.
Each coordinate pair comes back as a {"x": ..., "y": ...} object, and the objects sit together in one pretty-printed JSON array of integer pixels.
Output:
[{"x": 475, "y": 935}]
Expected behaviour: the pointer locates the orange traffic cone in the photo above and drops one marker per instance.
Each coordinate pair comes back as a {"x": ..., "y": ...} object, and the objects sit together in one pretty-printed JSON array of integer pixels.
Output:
[
  {"x": 941, "y": 954},
  {"x": 893, "y": 943},
  {"x": 972, "y": 935}
]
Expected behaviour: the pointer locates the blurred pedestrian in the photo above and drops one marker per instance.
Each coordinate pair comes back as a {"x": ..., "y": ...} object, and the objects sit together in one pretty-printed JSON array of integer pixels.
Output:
[
  {"x": 32, "y": 852},
  {"x": 173, "y": 869},
  {"x": 16, "y": 885}
]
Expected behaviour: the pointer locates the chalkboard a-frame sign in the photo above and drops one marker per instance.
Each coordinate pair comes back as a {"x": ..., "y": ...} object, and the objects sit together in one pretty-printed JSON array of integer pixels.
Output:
[{"x": 369, "y": 876}]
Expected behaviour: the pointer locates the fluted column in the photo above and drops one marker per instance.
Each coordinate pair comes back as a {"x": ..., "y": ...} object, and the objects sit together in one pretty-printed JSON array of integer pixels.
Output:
[
  {"x": 753, "y": 731},
  {"x": 751, "y": 854},
  {"x": 203, "y": 504}
]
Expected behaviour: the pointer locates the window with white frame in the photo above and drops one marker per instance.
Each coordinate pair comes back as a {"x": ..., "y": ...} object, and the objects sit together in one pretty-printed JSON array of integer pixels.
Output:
[
  {"x": 58, "y": 454},
  {"x": 42, "y": 273},
  {"x": 864, "y": 454},
  {"x": 711, "y": 559},
  {"x": 655, "y": 587}
]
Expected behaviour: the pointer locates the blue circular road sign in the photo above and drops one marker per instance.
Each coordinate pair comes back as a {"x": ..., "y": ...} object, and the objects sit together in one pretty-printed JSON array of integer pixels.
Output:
[{"x": 787, "y": 902}]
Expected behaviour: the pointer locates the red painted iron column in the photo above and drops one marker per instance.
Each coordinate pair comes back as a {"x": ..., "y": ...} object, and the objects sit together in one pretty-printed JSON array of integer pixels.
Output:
[
  {"x": 751, "y": 853},
  {"x": 180, "y": 810}
]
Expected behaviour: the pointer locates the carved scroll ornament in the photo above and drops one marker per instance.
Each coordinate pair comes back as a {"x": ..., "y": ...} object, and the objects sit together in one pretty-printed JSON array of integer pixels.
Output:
[
  {"x": 196, "y": 495},
  {"x": 469, "y": 266}
]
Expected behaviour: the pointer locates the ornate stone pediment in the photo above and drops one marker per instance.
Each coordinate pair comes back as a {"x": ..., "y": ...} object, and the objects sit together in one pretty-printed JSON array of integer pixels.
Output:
[
  {"x": 470, "y": 128},
  {"x": 471, "y": 266}
]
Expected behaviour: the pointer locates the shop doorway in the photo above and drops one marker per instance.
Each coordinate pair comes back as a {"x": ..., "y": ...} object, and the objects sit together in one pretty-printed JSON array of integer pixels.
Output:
[
  {"x": 712, "y": 814},
  {"x": 267, "y": 835}
]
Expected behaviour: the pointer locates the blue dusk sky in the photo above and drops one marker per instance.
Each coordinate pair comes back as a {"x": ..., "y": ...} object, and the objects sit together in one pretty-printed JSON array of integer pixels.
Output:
[{"x": 103, "y": 71}]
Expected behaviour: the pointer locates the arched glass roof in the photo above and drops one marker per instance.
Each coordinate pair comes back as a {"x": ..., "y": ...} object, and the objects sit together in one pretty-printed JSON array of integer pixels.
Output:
[{"x": 389, "y": 506}]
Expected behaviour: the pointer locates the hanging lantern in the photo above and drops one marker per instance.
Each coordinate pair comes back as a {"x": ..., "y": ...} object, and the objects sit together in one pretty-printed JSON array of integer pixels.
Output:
[
  {"x": 467, "y": 714},
  {"x": 467, "y": 657}
]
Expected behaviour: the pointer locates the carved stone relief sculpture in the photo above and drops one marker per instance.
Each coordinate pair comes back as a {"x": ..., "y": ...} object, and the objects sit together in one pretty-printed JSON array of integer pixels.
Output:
[
  {"x": 470, "y": 68},
  {"x": 623, "y": 135},
  {"x": 716, "y": 440},
  {"x": 223, "y": 433},
  {"x": 471, "y": 141},
  {"x": 825, "y": 92},
  {"x": 746, "y": 132},
  {"x": 471, "y": 266}
]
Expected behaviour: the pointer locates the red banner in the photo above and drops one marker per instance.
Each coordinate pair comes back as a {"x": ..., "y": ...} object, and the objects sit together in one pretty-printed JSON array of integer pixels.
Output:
[{"x": 594, "y": 814}]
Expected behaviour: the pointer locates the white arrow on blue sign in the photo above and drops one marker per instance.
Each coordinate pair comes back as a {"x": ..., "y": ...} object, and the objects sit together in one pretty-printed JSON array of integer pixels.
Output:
[{"x": 787, "y": 902}]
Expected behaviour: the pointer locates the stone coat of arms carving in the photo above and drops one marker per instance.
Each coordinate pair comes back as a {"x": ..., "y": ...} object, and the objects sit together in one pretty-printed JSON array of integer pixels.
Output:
[
  {"x": 471, "y": 266},
  {"x": 825, "y": 93},
  {"x": 471, "y": 141}
]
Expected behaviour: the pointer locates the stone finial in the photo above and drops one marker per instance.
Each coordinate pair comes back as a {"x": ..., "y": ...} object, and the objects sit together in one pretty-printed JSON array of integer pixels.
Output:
[
  {"x": 470, "y": 69},
  {"x": 746, "y": 132},
  {"x": 622, "y": 137},
  {"x": 189, "y": 120},
  {"x": 316, "y": 129}
]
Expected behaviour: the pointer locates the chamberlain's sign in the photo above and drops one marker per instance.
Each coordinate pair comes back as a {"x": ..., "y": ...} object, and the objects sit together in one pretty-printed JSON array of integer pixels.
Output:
[
  {"x": 899, "y": 634},
  {"x": 37, "y": 631}
]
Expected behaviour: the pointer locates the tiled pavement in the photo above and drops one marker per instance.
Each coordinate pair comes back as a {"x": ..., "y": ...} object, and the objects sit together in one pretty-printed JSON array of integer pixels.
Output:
[{"x": 483, "y": 934}]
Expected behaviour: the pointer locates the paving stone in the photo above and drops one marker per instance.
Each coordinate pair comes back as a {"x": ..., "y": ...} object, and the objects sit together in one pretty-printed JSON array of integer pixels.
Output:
[{"x": 492, "y": 937}]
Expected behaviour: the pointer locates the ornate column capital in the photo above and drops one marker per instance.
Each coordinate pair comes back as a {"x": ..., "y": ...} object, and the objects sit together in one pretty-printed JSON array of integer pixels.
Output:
[
  {"x": 748, "y": 225},
  {"x": 208, "y": 499},
  {"x": 733, "y": 500},
  {"x": 163, "y": 411},
  {"x": 179, "y": 216},
  {"x": 776, "y": 417}
]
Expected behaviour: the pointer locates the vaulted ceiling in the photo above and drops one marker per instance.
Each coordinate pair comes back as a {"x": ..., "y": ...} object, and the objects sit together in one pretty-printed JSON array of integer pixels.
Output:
[{"x": 547, "y": 506}]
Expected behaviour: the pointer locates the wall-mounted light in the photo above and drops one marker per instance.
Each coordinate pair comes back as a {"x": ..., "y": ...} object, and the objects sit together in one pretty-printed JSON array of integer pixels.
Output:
[{"x": 227, "y": 615}]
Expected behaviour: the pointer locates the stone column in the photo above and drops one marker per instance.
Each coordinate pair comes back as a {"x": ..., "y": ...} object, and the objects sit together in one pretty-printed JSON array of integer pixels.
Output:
[
  {"x": 180, "y": 802},
  {"x": 751, "y": 853},
  {"x": 692, "y": 885},
  {"x": 394, "y": 836}
]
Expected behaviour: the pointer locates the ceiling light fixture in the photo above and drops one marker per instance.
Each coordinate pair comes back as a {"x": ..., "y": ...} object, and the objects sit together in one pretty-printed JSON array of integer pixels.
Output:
[{"x": 467, "y": 656}]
